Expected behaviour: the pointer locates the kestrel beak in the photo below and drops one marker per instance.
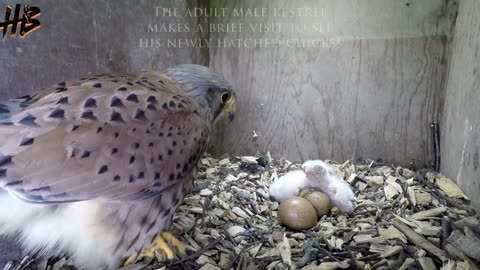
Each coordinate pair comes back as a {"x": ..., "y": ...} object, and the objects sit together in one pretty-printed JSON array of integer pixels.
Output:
[{"x": 230, "y": 110}]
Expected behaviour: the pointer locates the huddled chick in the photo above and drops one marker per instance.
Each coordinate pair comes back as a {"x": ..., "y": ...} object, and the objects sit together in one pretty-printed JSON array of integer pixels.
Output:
[
  {"x": 324, "y": 178},
  {"x": 288, "y": 185},
  {"x": 315, "y": 174}
]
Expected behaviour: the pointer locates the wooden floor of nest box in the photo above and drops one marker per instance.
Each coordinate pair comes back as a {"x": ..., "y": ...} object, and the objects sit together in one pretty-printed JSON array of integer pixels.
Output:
[{"x": 403, "y": 219}]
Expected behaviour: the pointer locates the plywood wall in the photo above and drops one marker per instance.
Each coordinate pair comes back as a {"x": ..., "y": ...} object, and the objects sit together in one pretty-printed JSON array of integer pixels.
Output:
[
  {"x": 461, "y": 130},
  {"x": 92, "y": 37},
  {"x": 369, "y": 90}
]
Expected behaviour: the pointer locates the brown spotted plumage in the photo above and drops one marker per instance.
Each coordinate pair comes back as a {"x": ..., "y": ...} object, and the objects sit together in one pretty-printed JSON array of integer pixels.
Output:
[{"x": 111, "y": 156}]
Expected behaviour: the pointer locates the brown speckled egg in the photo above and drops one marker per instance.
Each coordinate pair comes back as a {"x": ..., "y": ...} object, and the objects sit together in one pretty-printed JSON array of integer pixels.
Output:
[
  {"x": 297, "y": 213},
  {"x": 319, "y": 200}
]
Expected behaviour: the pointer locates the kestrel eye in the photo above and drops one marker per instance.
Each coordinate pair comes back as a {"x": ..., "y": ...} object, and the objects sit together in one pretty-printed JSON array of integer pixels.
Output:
[{"x": 226, "y": 97}]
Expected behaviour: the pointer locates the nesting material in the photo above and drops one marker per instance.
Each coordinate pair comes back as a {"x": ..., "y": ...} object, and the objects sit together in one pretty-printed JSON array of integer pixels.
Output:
[{"x": 402, "y": 219}]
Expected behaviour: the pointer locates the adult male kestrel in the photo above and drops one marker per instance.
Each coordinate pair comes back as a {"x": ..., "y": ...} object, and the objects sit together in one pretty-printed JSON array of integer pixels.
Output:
[{"x": 96, "y": 167}]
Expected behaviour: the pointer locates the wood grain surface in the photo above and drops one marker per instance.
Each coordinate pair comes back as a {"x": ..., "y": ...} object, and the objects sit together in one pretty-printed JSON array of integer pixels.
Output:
[
  {"x": 78, "y": 38},
  {"x": 371, "y": 95},
  {"x": 461, "y": 126},
  {"x": 369, "y": 90}
]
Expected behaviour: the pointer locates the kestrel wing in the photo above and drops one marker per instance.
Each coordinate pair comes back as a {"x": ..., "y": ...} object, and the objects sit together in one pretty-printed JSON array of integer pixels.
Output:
[{"x": 125, "y": 137}]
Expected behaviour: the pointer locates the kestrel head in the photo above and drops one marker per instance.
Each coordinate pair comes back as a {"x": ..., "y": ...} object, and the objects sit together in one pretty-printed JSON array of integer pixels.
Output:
[
  {"x": 316, "y": 168},
  {"x": 208, "y": 88}
]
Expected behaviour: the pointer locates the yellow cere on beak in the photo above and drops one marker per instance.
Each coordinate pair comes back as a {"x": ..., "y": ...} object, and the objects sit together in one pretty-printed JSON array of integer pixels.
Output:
[{"x": 230, "y": 110}]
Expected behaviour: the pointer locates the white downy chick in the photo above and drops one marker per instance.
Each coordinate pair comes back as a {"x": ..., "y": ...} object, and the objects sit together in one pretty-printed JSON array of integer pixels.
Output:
[
  {"x": 288, "y": 185},
  {"x": 320, "y": 175}
]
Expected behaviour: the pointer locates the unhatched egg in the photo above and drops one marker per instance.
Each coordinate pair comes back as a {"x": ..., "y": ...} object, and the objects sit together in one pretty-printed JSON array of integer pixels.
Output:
[
  {"x": 297, "y": 213},
  {"x": 319, "y": 200}
]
